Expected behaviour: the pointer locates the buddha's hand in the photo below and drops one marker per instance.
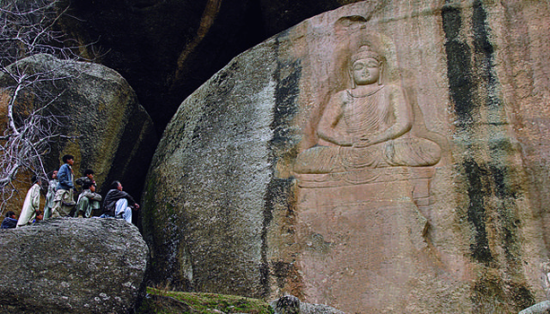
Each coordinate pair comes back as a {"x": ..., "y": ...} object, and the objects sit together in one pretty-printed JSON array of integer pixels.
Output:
[
  {"x": 362, "y": 143},
  {"x": 367, "y": 141}
]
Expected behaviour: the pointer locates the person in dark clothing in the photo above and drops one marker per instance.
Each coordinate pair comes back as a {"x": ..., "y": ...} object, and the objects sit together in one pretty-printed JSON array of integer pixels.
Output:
[
  {"x": 9, "y": 221},
  {"x": 118, "y": 203},
  {"x": 88, "y": 178}
]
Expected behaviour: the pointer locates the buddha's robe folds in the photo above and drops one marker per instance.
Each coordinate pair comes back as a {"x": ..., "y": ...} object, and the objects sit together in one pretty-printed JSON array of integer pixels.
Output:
[{"x": 382, "y": 116}]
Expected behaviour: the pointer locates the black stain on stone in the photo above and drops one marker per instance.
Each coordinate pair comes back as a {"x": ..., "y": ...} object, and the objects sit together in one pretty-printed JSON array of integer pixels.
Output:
[
  {"x": 279, "y": 191},
  {"x": 462, "y": 86},
  {"x": 484, "y": 54},
  {"x": 476, "y": 212},
  {"x": 473, "y": 87},
  {"x": 459, "y": 71},
  {"x": 286, "y": 104},
  {"x": 481, "y": 35},
  {"x": 523, "y": 298},
  {"x": 500, "y": 175}
]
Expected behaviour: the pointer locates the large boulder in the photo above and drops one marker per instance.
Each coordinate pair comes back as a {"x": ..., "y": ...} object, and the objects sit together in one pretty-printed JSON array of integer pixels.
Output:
[
  {"x": 68, "y": 265},
  {"x": 105, "y": 127},
  {"x": 256, "y": 190}
]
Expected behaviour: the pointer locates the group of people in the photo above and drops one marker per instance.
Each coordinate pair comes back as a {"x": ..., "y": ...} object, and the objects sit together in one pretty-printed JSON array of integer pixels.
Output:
[{"x": 60, "y": 199}]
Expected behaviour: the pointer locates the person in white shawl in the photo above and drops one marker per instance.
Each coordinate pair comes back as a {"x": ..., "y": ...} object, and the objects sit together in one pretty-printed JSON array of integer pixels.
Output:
[{"x": 32, "y": 204}]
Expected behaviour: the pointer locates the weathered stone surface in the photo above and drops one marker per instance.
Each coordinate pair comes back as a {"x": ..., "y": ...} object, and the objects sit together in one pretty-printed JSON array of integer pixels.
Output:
[
  {"x": 539, "y": 308},
  {"x": 289, "y": 304},
  {"x": 167, "y": 49},
  {"x": 114, "y": 134},
  {"x": 290, "y": 171},
  {"x": 67, "y": 265}
]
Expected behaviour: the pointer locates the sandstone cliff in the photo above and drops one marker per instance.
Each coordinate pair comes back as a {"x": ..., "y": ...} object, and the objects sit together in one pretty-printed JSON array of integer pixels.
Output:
[{"x": 247, "y": 193}]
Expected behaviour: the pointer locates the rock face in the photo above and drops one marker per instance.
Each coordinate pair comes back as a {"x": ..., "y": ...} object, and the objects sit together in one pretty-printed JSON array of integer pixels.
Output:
[
  {"x": 113, "y": 134},
  {"x": 289, "y": 304},
  {"x": 383, "y": 157},
  {"x": 67, "y": 265},
  {"x": 167, "y": 49},
  {"x": 539, "y": 308}
]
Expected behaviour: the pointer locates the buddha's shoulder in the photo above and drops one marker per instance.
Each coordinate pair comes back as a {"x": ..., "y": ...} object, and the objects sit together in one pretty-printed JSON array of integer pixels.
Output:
[
  {"x": 392, "y": 88},
  {"x": 342, "y": 96}
]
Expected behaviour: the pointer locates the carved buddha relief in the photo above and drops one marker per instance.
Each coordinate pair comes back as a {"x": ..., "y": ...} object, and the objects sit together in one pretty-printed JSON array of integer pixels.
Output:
[
  {"x": 368, "y": 127},
  {"x": 364, "y": 178}
]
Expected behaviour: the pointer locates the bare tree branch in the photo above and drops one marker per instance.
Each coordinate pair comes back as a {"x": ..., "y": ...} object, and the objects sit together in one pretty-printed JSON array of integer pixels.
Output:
[{"x": 27, "y": 29}]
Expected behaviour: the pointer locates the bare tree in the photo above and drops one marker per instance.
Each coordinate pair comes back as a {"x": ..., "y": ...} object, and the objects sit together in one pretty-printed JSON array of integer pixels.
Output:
[{"x": 27, "y": 28}]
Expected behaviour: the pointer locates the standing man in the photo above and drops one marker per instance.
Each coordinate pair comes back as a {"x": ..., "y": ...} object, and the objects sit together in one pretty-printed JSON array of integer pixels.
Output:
[
  {"x": 31, "y": 205},
  {"x": 52, "y": 187},
  {"x": 64, "y": 200},
  {"x": 116, "y": 203}
]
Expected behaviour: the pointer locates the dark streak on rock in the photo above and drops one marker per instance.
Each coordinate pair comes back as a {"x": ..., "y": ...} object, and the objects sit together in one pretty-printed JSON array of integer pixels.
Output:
[
  {"x": 476, "y": 212},
  {"x": 458, "y": 65},
  {"x": 501, "y": 172},
  {"x": 279, "y": 190},
  {"x": 473, "y": 87},
  {"x": 462, "y": 90}
]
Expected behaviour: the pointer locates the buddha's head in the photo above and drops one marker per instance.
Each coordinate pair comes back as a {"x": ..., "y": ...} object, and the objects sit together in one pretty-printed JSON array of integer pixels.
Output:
[{"x": 366, "y": 67}]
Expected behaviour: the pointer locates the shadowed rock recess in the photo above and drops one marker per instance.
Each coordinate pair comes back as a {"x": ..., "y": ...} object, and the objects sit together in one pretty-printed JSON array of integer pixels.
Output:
[
  {"x": 69, "y": 265},
  {"x": 167, "y": 48},
  {"x": 383, "y": 157}
]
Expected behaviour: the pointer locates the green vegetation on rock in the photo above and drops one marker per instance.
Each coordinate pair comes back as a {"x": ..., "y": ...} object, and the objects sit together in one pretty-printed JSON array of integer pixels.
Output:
[{"x": 159, "y": 301}]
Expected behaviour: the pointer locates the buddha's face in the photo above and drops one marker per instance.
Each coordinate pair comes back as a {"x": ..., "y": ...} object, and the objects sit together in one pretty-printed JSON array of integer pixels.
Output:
[{"x": 366, "y": 71}]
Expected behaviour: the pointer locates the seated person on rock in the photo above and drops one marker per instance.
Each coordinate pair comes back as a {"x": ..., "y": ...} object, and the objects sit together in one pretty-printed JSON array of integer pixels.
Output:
[
  {"x": 366, "y": 126},
  {"x": 88, "y": 200},
  {"x": 10, "y": 221},
  {"x": 118, "y": 204}
]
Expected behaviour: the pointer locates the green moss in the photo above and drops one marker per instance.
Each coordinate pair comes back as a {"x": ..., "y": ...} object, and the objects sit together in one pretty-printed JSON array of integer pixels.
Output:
[{"x": 163, "y": 302}]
